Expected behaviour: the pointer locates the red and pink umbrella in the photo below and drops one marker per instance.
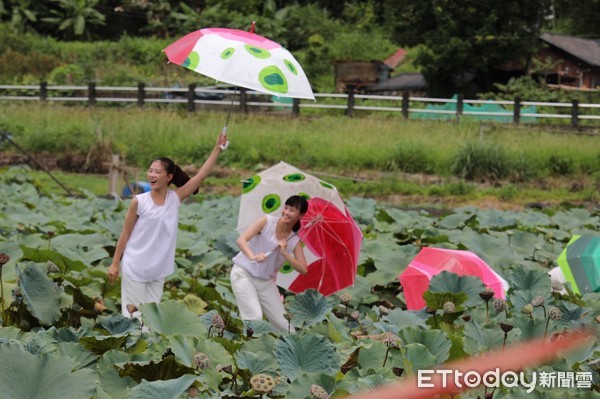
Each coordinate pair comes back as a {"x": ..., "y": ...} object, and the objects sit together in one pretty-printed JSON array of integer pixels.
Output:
[{"x": 431, "y": 261}]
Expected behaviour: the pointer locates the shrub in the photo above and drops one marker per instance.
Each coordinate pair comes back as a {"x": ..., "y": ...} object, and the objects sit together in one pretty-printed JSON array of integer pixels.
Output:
[
  {"x": 560, "y": 165},
  {"x": 481, "y": 161}
]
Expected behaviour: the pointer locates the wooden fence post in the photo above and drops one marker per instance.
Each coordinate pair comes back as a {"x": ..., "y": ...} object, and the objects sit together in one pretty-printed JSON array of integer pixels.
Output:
[
  {"x": 113, "y": 176},
  {"x": 243, "y": 100},
  {"x": 351, "y": 101},
  {"x": 191, "y": 96},
  {"x": 141, "y": 94},
  {"x": 92, "y": 94},
  {"x": 405, "y": 103},
  {"x": 459, "y": 106},
  {"x": 43, "y": 91},
  {"x": 575, "y": 114},
  {"x": 296, "y": 107},
  {"x": 517, "y": 111}
]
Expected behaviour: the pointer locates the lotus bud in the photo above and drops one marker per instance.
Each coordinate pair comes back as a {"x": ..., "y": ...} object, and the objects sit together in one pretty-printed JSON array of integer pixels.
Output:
[
  {"x": 354, "y": 315},
  {"x": 557, "y": 285},
  {"x": 467, "y": 318},
  {"x": 527, "y": 309},
  {"x": 393, "y": 340},
  {"x": 201, "y": 360},
  {"x": 226, "y": 368},
  {"x": 52, "y": 268},
  {"x": 262, "y": 383},
  {"x": 487, "y": 294},
  {"x": 20, "y": 227},
  {"x": 555, "y": 313},
  {"x": 318, "y": 392},
  {"x": 537, "y": 301},
  {"x": 499, "y": 304},
  {"x": 449, "y": 307},
  {"x": 99, "y": 304},
  {"x": 287, "y": 316},
  {"x": 506, "y": 327},
  {"x": 345, "y": 298},
  {"x": 398, "y": 371},
  {"x": 50, "y": 234},
  {"x": 4, "y": 259},
  {"x": 217, "y": 322},
  {"x": 131, "y": 308}
]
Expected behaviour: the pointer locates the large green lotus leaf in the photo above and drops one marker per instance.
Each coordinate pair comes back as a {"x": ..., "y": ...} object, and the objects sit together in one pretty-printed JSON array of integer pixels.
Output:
[
  {"x": 480, "y": 339},
  {"x": 264, "y": 343},
  {"x": 99, "y": 344},
  {"x": 163, "y": 389},
  {"x": 452, "y": 282},
  {"x": 64, "y": 263},
  {"x": 362, "y": 209},
  {"x": 373, "y": 356},
  {"x": 40, "y": 295},
  {"x": 361, "y": 291},
  {"x": 300, "y": 387},
  {"x": 116, "y": 324},
  {"x": 404, "y": 219},
  {"x": 529, "y": 280},
  {"x": 435, "y": 340},
  {"x": 311, "y": 353},
  {"x": 81, "y": 356},
  {"x": 10, "y": 332},
  {"x": 172, "y": 318},
  {"x": 581, "y": 354},
  {"x": 494, "y": 219},
  {"x": 165, "y": 369},
  {"x": 528, "y": 328},
  {"x": 418, "y": 357},
  {"x": 358, "y": 380},
  {"x": 257, "y": 362},
  {"x": 575, "y": 316},
  {"x": 406, "y": 318},
  {"x": 227, "y": 245},
  {"x": 190, "y": 243},
  {"x": 211, "y": 259},
  {"x": 185, "y": 347},
  {"x": 454, "y": 221},
  {"x": 259, "y": 327},
  {"x": 573, "y": 218},
  {"x": 523, "y": 297},
  {"x": 86, "y": 248},
  {"x": 195, "y": 304},
  {"x": 493, "y": 250},
  {"x": 309, "y": 307},
  {"x": 389, "y": 260},
  {"x": 524, "y": 242},
  {"x": 25, "y": 376}
]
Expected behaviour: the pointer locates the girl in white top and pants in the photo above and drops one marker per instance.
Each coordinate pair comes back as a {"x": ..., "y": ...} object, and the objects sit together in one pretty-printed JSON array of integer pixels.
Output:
[
  {"x": 146, "y": 246},
  {"x": 264, "y": 247}
]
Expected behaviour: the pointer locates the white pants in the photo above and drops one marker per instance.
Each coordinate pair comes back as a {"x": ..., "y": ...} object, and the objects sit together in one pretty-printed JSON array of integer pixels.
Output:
[
  {"x": 136, "y": 293},
  {"x": 255, "y": 296}
]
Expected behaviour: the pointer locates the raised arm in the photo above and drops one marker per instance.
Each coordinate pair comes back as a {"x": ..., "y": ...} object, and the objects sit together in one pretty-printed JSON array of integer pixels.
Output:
[{"x": 192, "y": 185}]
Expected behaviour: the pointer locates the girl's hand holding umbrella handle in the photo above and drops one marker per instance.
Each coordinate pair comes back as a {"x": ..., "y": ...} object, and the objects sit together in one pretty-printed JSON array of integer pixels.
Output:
[
  {"x": 223, "y": 142},
  {"x": 261, "y": 257}
]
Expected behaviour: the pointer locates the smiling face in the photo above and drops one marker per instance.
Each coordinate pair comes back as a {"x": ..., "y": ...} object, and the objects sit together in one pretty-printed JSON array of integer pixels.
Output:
[
  {"x": 290, "y": 214},
  {"x": 158, "y": 176}
]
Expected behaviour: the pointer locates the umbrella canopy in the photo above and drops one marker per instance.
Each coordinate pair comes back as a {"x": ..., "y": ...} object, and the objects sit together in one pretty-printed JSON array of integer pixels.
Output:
[
  {"x": 243, "y": 59},
  {"x": 331, "y": 237},
  {"x": 580, "y": 263},
  {"x": 431, "y": 261}
]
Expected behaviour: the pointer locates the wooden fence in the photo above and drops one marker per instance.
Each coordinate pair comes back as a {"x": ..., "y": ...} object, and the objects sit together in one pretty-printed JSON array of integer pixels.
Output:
[{"x": 514, "y": 111}]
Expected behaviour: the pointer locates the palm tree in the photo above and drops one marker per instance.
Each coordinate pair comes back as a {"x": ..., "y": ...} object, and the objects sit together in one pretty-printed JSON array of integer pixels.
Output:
[{"x": 75, "y": 17}]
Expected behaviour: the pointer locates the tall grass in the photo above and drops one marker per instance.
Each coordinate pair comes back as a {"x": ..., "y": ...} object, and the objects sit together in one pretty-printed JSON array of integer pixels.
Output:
[{"x": 333, "y": 143}]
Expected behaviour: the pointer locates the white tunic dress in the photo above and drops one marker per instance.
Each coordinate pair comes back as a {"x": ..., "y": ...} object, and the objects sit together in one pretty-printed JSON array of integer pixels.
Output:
[{"x": 150, "y": 251}]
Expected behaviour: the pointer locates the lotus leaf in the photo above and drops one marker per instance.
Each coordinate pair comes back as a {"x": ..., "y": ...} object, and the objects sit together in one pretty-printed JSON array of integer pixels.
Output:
[
  {"x": 256, "y": 362},
  {"x": 362, "y": 209},
  {"x": 171, "y": 318},
  {"x": 259, "y": 327},
  {"x": 300, "y": 388},
  {"x": 117, "y": 324},
  {"x": 195, "y": 304},
  {"x": 375, "y": 353},
  {"x": 40, "y": 295},
  {"x": 575, "y": 316},
  {"x": 521, "y": 298},
  {"x": 536, "y": 281},
  {"x": 163, "y": 389},
  {"x": 406, "y": 318},
  {"x": 82, "y": 357},
  {"x": 23, "y": 376},
  {"x": 63, "y": 262},
  {"x": 453, "y": 283},
  {"x": 311, "y": 353},
  {"x": 309, "y": 307},
  {"x": 361, "y": 380},
  {"x": 479, "y": 338},
  {"x": 528, "y": 328},
  {"x": 418, "y": 357},
  {"x": 100, "y": 344},
  {"x": 574, "y": 218},
  {"x": 435, "y": 340}
]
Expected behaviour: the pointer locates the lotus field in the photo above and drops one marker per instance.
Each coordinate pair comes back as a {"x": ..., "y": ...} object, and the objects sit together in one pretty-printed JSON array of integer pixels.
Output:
[{"x": 63, "y": 335}]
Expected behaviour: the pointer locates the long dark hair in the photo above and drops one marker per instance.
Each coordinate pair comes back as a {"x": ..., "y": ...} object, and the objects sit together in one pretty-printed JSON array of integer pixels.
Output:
[
  {"x": 299, "y": 203},
  {"x": 179, "y": 176}
]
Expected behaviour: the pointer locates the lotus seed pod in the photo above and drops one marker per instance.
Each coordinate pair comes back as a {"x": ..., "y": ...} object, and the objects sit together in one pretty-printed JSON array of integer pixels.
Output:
[
  {"x": 249, "y": 332},
  {"x": 537, "y": 301},
  {"x": 262, "y": 383},
  {"x": 193, "y": 392},
  {"x": 557, "y": 285},
  {"x": 354, "y": 315},
  {"x": 506, "y": 327},
  {"x": 449, "y": 307},
  {"x": 345, "y": 298},
  {"x": 499, "y": 304},
  {"x": 4, "y": 259},
  {"x": 595, "y": 364},
  {"x": 226, "y": 368},
  {"x": 487, "y": 294},
  {"x": 51, "y": 267},
  {"x": 318, "y": 392},
  {"x": 287, "y": 316},
  {"x": 393, "y": 340},
  {"x": 527, "y": 309},
  {"x": 555, "y": 313},
  {"x": 217, "y": 322},
  {"x": 467, "y": 318},
  {"x": 201, "y": 360},
  {"x": 428, "y": 310},
  {"x": 383, "y": 310},
  {"x": 131, "y": 308}
]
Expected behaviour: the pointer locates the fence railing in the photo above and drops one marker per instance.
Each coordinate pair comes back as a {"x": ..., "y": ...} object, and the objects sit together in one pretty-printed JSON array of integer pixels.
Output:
[{"x": 509, "y": 111}]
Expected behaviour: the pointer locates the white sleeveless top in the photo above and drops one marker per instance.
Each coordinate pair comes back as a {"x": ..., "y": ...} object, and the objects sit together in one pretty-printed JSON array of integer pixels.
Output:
[
  {"x": 150, "y": 252},
  {"x": 266, "y": 242}
]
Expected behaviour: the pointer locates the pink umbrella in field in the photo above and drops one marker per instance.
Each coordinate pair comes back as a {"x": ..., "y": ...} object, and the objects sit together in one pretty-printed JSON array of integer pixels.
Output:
[{"x": 431, "y": 261}]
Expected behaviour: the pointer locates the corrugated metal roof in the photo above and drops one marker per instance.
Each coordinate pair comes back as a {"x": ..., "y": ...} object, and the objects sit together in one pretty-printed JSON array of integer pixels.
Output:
[
  {"x": 587, "y": 50},
  {"x": 404, "y": 81}
]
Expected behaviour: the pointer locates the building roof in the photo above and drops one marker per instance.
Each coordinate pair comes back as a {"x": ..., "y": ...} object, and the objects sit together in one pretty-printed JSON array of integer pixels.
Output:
[
  {"x": 403, "y": 81},
  {"x": 587, "y": 50},
  {"x": 393, "y": 60}
]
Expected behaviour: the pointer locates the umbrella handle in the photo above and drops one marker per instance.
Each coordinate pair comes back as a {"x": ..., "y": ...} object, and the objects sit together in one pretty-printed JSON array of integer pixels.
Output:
[
  {"x": 223, "y": 133},
  {"x": 267, "y": 254}
]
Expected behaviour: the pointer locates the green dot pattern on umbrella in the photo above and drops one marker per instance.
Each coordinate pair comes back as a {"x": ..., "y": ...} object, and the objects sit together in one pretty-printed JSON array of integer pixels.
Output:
[
  {"x": 292, "y": 68},
  {"x": 227, "y": 53},
  {"x": 304, "y": 195},
  {"x": 326, "y": 185},
  {"x": 192, "y": 60},
  {"x": 294, "y": 177},
  {"x": 271, "y": 203},
  {"x": 258, "y": 52},
  {"x": 286, "y": 268},
  {"x": 250, "y": 184},
  {"x": 272, "y": 79}
]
